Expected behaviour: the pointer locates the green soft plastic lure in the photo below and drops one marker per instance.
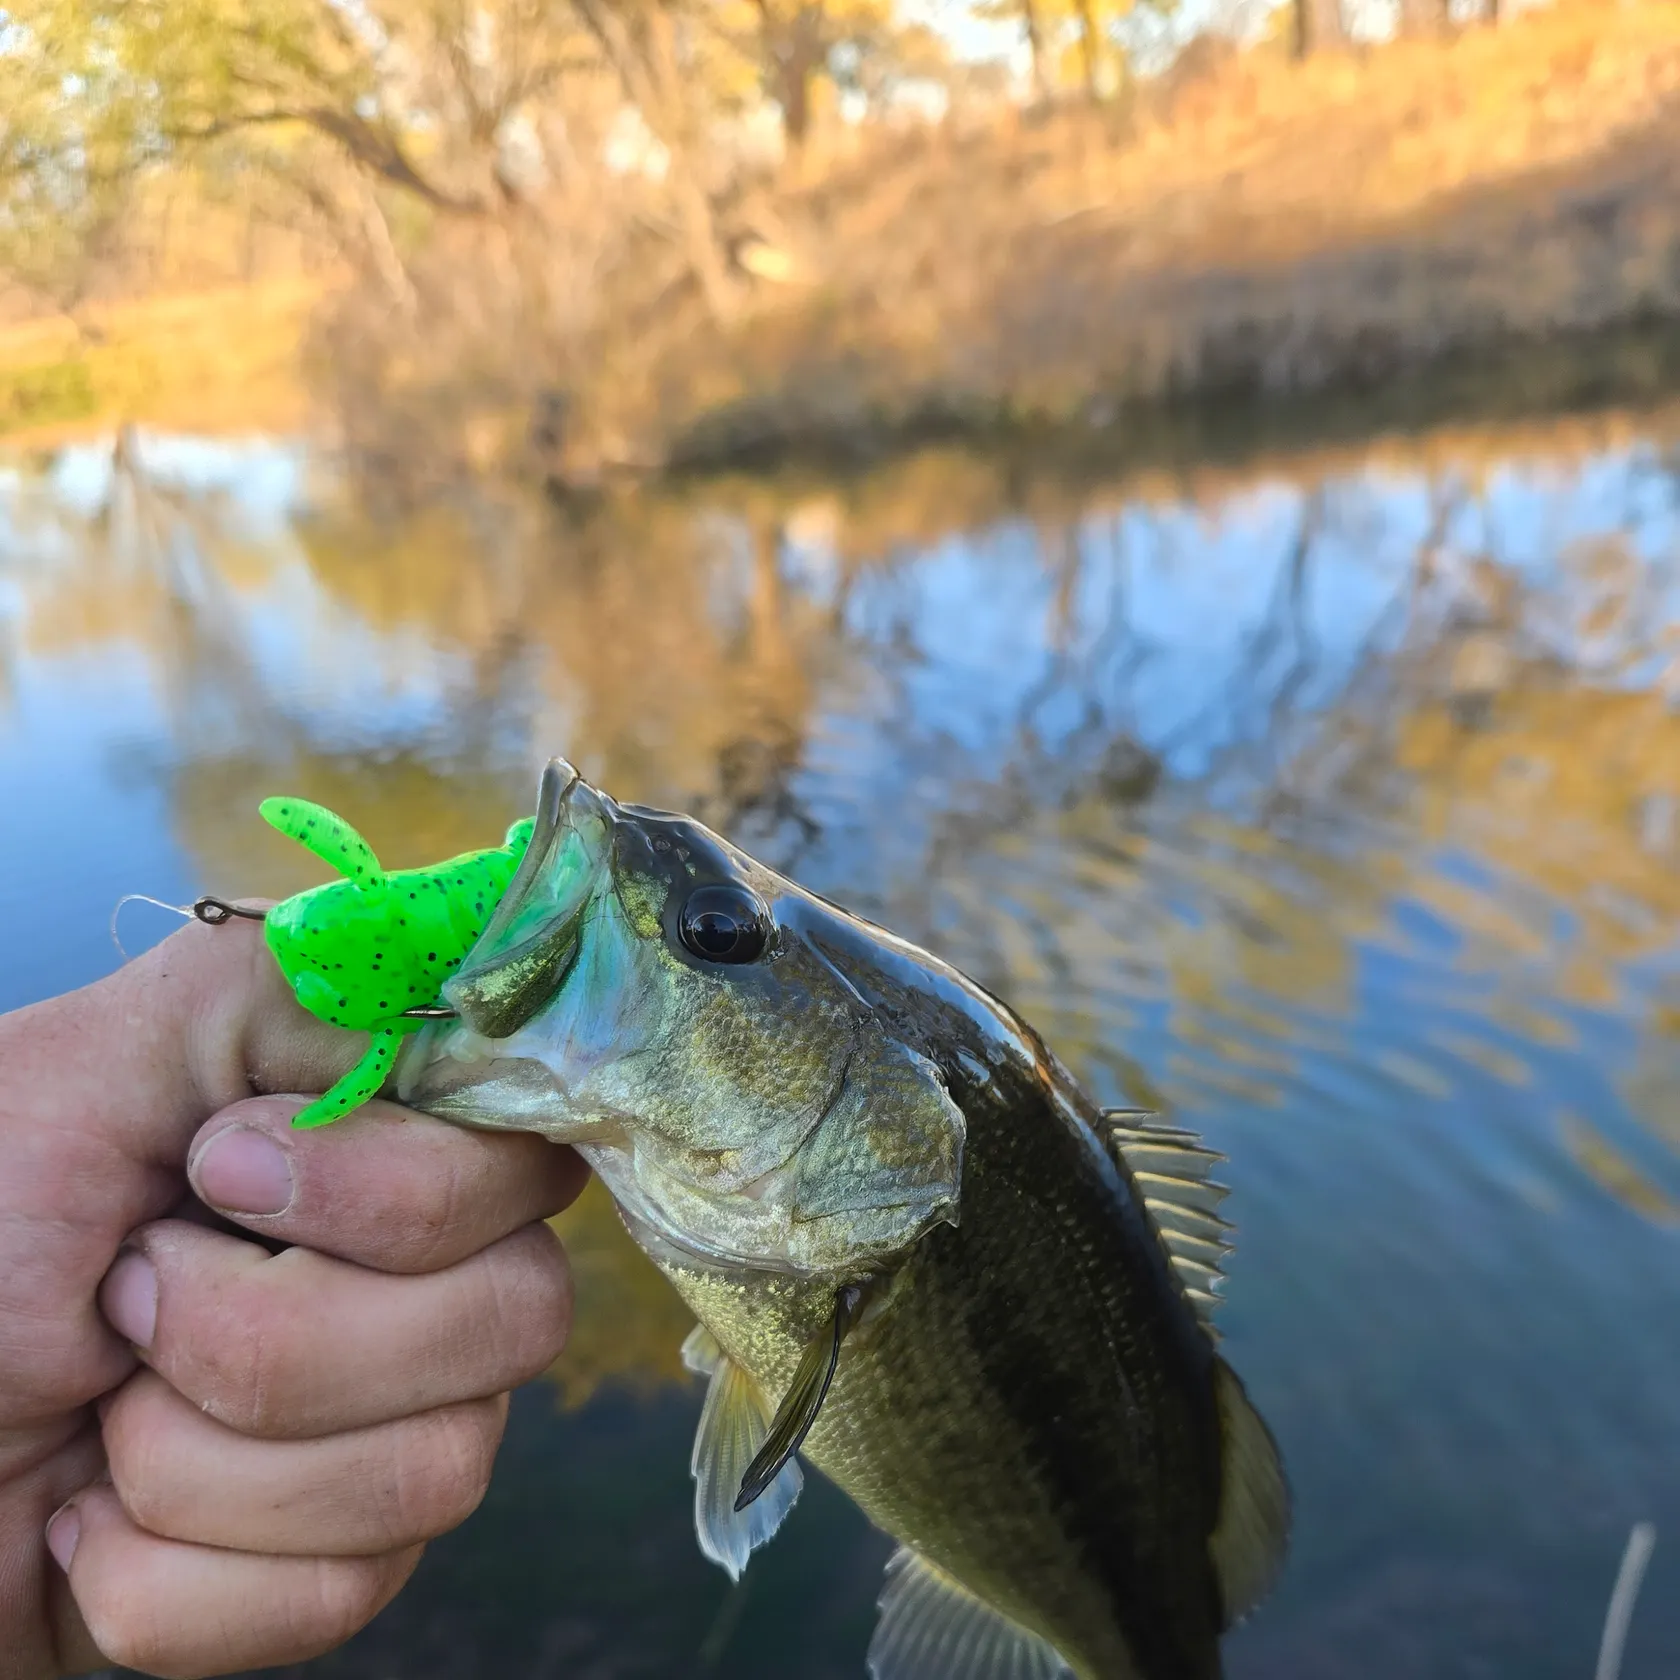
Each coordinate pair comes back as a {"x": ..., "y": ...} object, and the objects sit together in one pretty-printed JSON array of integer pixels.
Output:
[{"x": 369, "y": 951}]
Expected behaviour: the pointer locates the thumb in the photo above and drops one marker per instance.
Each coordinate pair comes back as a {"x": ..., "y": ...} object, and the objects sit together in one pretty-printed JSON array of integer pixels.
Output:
[
  {"x": 101, "y": 1091},
  {"x": 143, "y": 1057}
]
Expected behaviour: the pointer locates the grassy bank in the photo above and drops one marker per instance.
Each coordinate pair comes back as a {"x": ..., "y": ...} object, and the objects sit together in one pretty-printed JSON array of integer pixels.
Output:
[
  {"x": 1261, "y": 230},
  {"x": 203, "y": 361},
  {"x": 1251, "y": 246}
]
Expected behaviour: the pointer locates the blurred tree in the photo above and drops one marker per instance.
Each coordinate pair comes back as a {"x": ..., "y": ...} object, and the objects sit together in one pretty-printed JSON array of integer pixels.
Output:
[
  {"x": 1103, "y": 63},
  {"x": 322, "y": 97},
  {"x": 671, "y": 62},
  {"x": 68, "y": 126},
  {"x": 1090, "y": 48},
  {"x": 435, "y": 102},
  {"x": 1424, "y": 17},
  {"x": 1073, "y": 41},
  {"x": 1035, "y": 45},
  {"x": 372, "y": 80},
  {"x": 884, "y": 65},
  {"x": 1318, "y": 24},
  {"x": 1030, "y": 14},
  {"x": 794, "y": 43}
]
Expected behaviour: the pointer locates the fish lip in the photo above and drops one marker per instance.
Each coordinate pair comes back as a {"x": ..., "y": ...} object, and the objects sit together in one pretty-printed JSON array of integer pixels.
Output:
[
  {"x": 430, "y": 1073},
  {"x": 569, "y": 811},
  {"x": 554, "y": 794},
  {"x": 563, "y": 797}
]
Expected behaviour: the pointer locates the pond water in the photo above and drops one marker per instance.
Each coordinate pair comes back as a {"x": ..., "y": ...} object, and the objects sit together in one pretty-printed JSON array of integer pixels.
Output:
[{"x": 1331, "y": 807}]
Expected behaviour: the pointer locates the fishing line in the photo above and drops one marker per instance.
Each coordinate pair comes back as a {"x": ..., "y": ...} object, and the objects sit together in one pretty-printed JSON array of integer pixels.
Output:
[
  {"x": 183, "y": 910},
  {"x": 211, "y": 911}
]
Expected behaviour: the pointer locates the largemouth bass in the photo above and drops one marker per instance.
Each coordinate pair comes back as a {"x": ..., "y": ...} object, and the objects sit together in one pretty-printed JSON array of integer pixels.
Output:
[{"x": 920, "y": 1256}]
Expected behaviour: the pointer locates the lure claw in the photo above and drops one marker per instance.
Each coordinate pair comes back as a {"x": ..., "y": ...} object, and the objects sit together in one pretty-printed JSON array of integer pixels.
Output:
[{"x": 329, "y": 837}]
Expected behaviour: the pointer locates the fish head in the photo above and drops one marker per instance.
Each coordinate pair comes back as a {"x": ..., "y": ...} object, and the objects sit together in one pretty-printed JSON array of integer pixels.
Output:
[{"x": 653, "y": 996}]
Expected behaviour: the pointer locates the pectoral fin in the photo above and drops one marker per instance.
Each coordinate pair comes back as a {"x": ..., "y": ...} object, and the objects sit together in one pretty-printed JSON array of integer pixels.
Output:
[
  {"x": 803, "y": 1400},
  {"x": 733, "y": 1424},
  {"x": 933, "y": 1628}
]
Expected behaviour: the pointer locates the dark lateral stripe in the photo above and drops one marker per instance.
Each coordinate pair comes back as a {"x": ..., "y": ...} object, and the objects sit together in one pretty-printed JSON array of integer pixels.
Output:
[{"x": 1102, "y": 1515}]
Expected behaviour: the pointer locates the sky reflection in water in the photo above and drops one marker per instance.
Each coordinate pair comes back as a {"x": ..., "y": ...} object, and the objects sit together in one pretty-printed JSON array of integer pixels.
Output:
[{"x": 1335, "y": 812}]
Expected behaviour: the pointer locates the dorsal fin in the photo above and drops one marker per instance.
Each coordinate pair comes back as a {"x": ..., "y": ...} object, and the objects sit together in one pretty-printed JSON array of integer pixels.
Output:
[
  {"x": 1170, "y": 1167},
  {"x": 933, "y": 1628},
  {"x": 1248, "y": 1542}
]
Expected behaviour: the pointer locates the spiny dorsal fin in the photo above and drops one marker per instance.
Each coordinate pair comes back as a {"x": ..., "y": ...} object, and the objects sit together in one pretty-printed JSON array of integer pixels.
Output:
[
  {"x": 733, "y": 1424},
  {"x": 933, "y": 1628},
  {"x": 1170, "y": 1167},
  {"x": 1248, "y": 1542}
]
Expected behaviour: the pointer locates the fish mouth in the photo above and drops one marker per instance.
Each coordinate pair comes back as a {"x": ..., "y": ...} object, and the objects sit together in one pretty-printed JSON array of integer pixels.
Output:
[
  {"x": 458, "y": 1077},
  {"x": 559, "y": 779},
  {"x": 522, "y": 958},
  {"x": 473, "y": 1069}
]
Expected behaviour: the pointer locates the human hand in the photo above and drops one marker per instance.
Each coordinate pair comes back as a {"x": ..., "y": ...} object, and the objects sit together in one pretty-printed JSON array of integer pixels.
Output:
[{"x": 278, "y": 1433}]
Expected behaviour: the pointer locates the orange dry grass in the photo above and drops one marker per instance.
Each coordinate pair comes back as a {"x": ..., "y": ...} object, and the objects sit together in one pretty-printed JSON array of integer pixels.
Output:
[{"x": 1268, "y": 227}]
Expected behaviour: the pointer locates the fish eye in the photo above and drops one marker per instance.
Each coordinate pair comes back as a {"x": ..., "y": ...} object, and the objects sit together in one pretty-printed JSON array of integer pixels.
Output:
[{"x": 725, "y": 924}]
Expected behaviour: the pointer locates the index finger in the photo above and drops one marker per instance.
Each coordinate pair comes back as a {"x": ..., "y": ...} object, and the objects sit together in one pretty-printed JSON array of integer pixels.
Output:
[{"x": 387, "y": 1188}]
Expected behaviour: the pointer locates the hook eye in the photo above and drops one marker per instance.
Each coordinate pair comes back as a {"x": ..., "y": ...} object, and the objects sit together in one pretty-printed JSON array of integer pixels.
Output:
[{"x": 214, "y": 911}]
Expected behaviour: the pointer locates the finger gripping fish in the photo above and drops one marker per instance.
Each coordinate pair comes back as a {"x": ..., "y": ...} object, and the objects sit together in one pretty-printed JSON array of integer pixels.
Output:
[{"x": 370, "y": 950}]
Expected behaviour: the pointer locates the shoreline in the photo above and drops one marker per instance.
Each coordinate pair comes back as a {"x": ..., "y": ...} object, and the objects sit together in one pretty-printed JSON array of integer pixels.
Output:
[
  {"x": 1508, "y": 380},
  {"x": 1618, "y": 381}
]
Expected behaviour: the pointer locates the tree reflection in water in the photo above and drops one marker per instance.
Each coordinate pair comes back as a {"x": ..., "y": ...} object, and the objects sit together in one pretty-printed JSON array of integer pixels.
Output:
[{"x": 1332, "y": 807}]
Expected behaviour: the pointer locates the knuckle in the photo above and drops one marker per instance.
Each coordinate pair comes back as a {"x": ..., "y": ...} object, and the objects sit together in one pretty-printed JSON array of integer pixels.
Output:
[
  {"x": 531, "y": 1287},
  {"x": 347, "y": 1593},
  {"x": 427, "y": 1237},
  {"x": 443, "y": 1469},
  {"x": 127, "y": 1633},
  {"x": 246, "y": 1380},
  {"x": 144, "y": 1486},
  {"x": 137, "y": 1438},
  {"x": 234, "y": 1328}
]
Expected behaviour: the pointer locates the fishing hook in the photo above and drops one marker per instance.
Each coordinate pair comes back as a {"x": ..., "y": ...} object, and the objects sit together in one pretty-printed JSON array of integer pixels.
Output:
[{"x": 214, "y": 911}]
